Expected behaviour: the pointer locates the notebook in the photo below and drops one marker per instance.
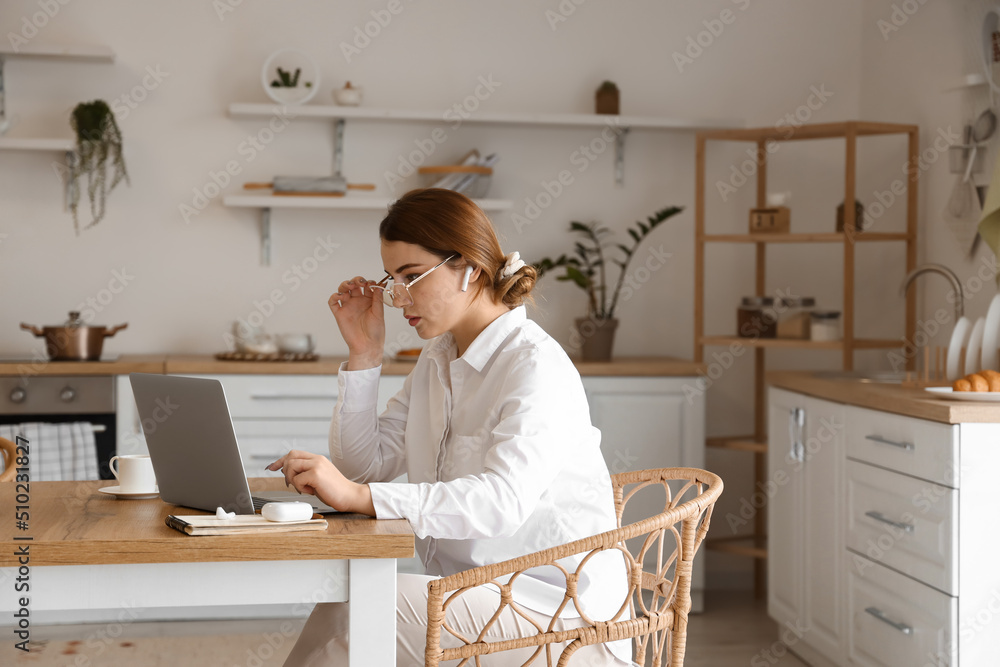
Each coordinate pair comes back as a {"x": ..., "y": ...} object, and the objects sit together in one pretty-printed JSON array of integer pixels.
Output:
[
  {"x": 241, "y": 524},
  {"x": 193, "y": 446}
]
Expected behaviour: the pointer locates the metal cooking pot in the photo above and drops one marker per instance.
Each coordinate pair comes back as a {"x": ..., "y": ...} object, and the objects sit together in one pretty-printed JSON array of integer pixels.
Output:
[{"x": 74, "y": 340}]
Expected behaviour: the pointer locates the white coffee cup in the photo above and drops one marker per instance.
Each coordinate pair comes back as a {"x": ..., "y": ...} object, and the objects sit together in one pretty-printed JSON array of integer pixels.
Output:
[{"x": 134, "y": 473}]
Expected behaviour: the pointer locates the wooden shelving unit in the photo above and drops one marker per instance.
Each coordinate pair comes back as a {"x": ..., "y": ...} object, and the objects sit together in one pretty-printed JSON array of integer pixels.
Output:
[{"x": 755, "y": 544}]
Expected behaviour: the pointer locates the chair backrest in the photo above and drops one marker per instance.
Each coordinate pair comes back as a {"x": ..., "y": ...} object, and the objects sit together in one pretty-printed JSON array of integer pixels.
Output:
[
  {"x": 665, "y": 555},
  {"x": 9, "y": 450},
  {"x": 660, "y": 561}
]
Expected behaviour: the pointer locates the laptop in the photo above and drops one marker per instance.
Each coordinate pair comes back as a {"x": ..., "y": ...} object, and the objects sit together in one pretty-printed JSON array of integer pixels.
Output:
[{"x": 193, "y": 447}]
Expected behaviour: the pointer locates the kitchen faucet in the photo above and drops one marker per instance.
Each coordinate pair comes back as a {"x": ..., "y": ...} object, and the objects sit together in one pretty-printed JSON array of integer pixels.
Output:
[{"x": 947, "y": 273}]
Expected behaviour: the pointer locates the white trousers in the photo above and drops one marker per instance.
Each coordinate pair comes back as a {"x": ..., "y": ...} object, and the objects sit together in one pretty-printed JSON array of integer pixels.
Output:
[{"x": 323, "y": 642}]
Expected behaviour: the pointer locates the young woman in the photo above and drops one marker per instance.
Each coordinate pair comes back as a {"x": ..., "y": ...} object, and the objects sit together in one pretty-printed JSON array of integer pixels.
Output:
[{"x": 492, "y": 429}]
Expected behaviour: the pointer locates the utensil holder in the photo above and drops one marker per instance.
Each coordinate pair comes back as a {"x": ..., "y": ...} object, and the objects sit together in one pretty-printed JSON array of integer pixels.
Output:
[{"x": 958, "y": 158}]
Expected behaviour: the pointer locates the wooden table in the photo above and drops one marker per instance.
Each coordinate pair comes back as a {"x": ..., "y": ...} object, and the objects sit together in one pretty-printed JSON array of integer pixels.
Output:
[{"x": 94, "y": 558}]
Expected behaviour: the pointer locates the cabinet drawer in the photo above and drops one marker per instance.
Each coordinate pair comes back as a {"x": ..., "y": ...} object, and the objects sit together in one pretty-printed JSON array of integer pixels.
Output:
[
  {"x": 917, "y": 447},
  {"x": 908, "y": 524},
  {"x": 285, "y": 396},
  {"x": 893, "y": 620}
]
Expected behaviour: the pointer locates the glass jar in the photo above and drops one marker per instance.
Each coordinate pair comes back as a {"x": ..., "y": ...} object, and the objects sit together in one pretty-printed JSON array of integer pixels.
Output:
[
  {"x": 756, "y": 317},
  {"x": 793, "y": 317},
  {"x": 824, "y": 325}
]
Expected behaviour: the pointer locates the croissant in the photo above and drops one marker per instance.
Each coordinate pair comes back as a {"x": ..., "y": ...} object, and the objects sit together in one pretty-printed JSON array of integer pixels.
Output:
[{"x": 982, "y": 381}]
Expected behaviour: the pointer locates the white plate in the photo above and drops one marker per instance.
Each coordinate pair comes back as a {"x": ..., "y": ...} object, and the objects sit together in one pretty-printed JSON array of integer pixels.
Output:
[
  {"x": 958, "y": 335},
  {"x": 972, "y": 351},
  {"x": 952, "y": 395},
  {"x": 118, "y": 493},
  {"x": 991, "y": 335}
]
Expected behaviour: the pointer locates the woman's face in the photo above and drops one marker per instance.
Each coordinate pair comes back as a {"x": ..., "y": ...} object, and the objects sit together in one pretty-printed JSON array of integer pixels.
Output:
[{"x": 439, "y": 303}]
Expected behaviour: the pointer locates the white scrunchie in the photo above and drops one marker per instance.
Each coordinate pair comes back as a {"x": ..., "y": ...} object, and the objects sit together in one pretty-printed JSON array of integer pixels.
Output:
[{"x": 512, "y": 265}]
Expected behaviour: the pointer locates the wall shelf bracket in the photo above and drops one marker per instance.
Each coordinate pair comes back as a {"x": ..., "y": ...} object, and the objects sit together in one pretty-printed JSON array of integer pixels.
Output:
[
  {"x": 620, "y": 156},
  {"x": 265, "y": 236}
]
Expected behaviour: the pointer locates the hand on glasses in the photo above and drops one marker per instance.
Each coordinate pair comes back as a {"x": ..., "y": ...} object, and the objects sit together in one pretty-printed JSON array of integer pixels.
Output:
[{"x": 360, "y": 315}]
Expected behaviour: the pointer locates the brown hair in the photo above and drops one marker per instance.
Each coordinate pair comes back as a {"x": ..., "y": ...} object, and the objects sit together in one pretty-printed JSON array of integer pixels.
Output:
[{"x": 444, "y": 222}]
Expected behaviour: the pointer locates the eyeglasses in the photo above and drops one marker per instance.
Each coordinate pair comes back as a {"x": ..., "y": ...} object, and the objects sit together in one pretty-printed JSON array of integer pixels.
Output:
[{"x": 398, "y": 295}]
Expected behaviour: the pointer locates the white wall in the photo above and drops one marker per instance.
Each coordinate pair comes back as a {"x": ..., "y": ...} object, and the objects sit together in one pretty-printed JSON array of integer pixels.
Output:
[{"x": 191, "y": 280}]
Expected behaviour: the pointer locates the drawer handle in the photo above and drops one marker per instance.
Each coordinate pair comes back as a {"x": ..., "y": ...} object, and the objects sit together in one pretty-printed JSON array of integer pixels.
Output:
[
  {"x": 293, "y": 397},
  {"x": 880, "y": 615},
  {"x": 878, "y": 516},
  {"x": 902, "y": 445},
  {"x": 796, "y": 422}
]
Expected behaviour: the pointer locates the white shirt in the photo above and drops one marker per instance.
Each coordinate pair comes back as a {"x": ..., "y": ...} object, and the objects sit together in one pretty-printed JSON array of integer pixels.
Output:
[{"x": 501, "y": 457}]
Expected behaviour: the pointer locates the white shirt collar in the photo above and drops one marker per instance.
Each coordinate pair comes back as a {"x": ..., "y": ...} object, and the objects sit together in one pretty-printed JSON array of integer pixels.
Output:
[{"x": 485, "y": 344}]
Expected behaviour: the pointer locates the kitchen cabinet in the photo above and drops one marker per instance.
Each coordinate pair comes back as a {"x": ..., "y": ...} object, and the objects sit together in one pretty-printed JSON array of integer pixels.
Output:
[
  {"x": 910, "y": 516},
  {"x": 803, "y": 495}
]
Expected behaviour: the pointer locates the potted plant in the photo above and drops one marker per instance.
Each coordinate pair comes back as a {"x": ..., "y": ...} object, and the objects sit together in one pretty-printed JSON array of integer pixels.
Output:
[
  {"x": 587, "y": 268},
  {"x": 98, "y": 157},
  {"x": 607, "y": 98}
]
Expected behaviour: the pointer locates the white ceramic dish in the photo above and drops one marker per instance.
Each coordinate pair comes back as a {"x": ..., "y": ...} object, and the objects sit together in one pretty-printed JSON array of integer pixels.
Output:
[
  {"x": 973, "y": 349},
  {"x": 952, "y": 395},
  {"x": 121, "y": 495},
  {"x": 991, "y": 335},
  {"x": 958, "y": 336}
]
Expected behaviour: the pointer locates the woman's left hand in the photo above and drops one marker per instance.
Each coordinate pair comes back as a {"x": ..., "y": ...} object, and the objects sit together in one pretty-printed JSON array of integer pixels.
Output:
[{"x": 316, "y": 475}]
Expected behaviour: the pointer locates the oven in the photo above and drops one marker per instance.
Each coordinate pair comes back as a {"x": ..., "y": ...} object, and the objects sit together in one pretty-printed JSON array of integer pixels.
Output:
[{"x": 60, "y": 399}]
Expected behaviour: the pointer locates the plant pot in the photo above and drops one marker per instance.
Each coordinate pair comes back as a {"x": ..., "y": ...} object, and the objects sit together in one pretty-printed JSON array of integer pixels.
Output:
[
  {"x": 595, "y": 338},
  {"x": 607, "y": 101}
]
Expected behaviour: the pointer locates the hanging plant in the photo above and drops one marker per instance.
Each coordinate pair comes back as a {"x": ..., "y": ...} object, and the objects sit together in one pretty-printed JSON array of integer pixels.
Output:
[{"x": 98, "y": 157}]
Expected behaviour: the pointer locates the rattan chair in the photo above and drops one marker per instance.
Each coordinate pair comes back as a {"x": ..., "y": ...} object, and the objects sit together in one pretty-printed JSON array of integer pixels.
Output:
[
  {"x": 659, "y": 561},
  {"x": 9, "y": 458}
]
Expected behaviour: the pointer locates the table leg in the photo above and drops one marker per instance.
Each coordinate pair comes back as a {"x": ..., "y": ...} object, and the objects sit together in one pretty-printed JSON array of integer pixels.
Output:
[{"x": 372, "y": 612}]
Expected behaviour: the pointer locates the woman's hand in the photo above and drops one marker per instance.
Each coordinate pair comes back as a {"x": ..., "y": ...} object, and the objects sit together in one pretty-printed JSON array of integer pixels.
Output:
[
  {"x": 360, "y": 314},
  {"x": 316, "y": 475}
]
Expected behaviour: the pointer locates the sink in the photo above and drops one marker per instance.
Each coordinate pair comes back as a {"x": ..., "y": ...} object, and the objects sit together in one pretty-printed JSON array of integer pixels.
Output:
[{"x": 882, "y": 377}]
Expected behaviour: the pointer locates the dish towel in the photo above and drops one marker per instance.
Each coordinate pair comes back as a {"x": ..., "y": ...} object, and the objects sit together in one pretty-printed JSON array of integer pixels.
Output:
[{"x": 58, "y": 452}]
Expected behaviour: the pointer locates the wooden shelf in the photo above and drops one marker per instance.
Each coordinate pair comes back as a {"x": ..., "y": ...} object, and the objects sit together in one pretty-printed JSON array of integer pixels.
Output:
[
  {"x": 846, "y": 242},
  {"x": 754, "y": 546},
  {"x": 348, "y": 202},
  {"x": 831, "y": 237},
  {"x": 740, "y": 443},
  {"x": 814, "y": 131},
  {"x": 858, "y": 344},
  {"x": 332, "y": 112}
]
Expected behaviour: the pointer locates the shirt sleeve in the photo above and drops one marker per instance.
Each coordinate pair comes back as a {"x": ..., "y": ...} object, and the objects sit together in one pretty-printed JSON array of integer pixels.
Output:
[
  {"x": 364, "y": 446},
  {"x": 540, "y": 420}
]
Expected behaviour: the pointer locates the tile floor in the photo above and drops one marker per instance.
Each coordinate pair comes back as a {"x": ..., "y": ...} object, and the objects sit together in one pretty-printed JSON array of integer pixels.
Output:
[{"x": 734, "y": 631}]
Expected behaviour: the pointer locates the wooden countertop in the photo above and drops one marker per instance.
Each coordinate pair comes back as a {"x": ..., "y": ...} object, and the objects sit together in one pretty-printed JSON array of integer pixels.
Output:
[
  {"x": 895, "y": 398},
  {"x": 126, "y": 363},
  {"x": 72, "y": 523},
  {"x": 206, "y": 364}
]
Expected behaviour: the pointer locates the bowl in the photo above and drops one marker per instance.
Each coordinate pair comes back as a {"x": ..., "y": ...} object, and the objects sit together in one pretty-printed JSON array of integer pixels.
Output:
[
  {"x": 295, "y": 343},
  {"x": 471, "y": 180}
]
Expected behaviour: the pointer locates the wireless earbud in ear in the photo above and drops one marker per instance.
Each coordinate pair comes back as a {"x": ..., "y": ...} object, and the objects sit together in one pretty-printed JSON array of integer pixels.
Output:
[{"x": 465, "y": 280}]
